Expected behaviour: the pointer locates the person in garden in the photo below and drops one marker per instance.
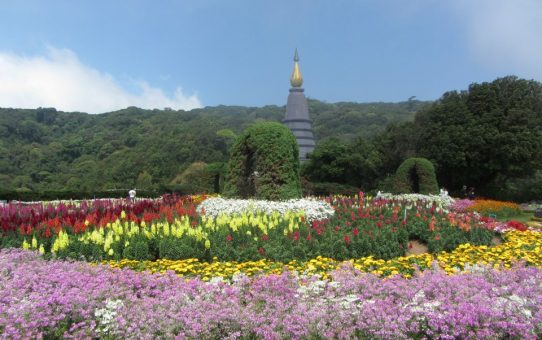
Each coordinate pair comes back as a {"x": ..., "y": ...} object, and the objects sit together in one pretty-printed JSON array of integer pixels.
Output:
[
  {"x": 471, "y": 193},
  {"x": 463, "y": 192},
  {"x": 132, "y": 195}
]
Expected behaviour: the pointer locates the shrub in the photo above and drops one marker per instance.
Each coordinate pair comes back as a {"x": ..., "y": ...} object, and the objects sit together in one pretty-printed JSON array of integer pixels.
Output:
[
  {"x": 416, "y": 175},
  {"x": 325, "y": 189},
  {"x": 196, "y": 177},
  {"x": 264, "y": 163},
  {"x": 137, "y": 250},
  {"x": 175, "y": 248}
]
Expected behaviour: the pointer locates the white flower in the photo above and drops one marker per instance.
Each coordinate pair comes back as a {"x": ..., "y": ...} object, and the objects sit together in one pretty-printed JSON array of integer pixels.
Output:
[
  {"x": 313, "y": 209},
  {"x": 106, "y": 316}
]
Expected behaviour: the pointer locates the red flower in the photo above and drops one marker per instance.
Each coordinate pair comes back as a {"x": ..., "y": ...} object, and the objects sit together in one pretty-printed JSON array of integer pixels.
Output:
[
  {"x": 379, "y": 224},
  {"x": 229, "y": 238},
  {"x": 437, "y": 237},
  {"x": 308, "y": 237},
  {"x": 296, "y": 235},
  {"x": 261, "y": 251},
  {"x": 337, "y": 228},
  {"x": 265, "y": 237},
  {"x": 346, "y": 239},
  {"x": 355, "y": 231},
  {"x": 517, "y": 225},
  {"x": 410, "y": 245}
]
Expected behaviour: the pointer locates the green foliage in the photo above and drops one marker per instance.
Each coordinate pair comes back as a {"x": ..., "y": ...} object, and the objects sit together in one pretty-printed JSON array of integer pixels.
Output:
[
  {"x": 485, "y": 136},
  {"x": 138, "y": 249},
  {"x": 416, "y": 175},
  {"x": 264, "y": 163},
  {"x": 355, "y": 163},
  {"x": 196, "y": 177},
  {"x": 327, "y": 188},
  {"x": 45, "y": 150},
  {"x": 174, "y": 248}
]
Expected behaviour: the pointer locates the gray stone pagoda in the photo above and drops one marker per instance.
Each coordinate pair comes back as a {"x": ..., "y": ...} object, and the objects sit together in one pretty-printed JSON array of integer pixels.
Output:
[{"x": 297, "y": 114}]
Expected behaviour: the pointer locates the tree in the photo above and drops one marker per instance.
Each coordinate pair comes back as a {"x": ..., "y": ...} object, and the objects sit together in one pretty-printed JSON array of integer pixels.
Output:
[
  {"x": 195, "y": 178},
  {"x": 144, "y": 181},
  {"x": 416, "y": 175},
  {"x": 264, "y": 163},
  {"x": 356, "y": 163},
  {"x": 484, "y": 136}
]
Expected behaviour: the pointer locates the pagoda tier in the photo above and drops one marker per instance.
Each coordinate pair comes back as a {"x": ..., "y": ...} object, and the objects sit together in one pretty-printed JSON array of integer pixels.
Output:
[{"x": 297, "y": 114}]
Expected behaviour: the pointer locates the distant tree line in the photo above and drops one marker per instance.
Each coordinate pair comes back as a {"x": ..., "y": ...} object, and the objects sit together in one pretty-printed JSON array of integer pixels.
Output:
[
  {"x": 45, "y": 153},
  {"x": 488, "y": 137}
]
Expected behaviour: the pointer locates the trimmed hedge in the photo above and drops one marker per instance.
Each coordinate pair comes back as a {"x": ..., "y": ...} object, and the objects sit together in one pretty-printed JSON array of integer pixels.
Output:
[
  {"x": 416, "y": 175},
  {"x": 69, "y": 194},
  {"x": 327, "y": 188},
  {"x": 264, "y": 164}
]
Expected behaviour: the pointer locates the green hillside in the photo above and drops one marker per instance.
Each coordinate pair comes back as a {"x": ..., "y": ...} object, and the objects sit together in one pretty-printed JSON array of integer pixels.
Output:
[{"x": 46, "y": 150}]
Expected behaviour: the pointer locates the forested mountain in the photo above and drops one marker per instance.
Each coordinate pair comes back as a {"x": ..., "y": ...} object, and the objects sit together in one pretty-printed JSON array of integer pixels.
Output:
[{"x": 47, "y": 150}]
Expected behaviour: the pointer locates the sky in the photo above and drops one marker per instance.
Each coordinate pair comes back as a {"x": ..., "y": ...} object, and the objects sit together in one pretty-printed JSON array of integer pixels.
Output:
[{"x": 102, "y": 55}]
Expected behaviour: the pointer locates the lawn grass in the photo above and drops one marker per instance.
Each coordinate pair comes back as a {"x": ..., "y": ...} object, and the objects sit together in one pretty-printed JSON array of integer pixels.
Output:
[{"x": 522, "y": 216}]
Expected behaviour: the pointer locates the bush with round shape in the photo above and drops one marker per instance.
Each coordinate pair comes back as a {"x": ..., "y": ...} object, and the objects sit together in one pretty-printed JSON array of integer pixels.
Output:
[
  {"x": 264, "y": 164},
  {"x": 416, "y": 175}
]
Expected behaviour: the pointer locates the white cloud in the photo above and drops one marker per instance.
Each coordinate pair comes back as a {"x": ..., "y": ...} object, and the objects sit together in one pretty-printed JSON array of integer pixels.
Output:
[
  {"x": 504, "y": 34},
  {"x": 60, "y": 80}
]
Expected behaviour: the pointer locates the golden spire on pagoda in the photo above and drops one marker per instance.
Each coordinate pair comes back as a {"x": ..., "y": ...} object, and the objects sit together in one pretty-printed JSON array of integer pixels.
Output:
[{"x": 296, "y": 80}]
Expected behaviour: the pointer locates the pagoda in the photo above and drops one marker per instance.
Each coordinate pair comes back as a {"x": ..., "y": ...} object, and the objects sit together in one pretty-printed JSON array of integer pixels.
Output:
[{"x": 297, "y": 113}]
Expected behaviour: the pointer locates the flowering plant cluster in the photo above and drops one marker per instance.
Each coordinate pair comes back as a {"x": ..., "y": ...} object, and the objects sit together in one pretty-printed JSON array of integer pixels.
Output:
[
  {"x": 461, "y": 205},
  {"x": 492, "y": 207},
  {"x": 173, "y": 229},
  {"x": 55, "y": 299},
  {"x": 358, "y": 227},
  {"x": 442, "y": 201},
  {"x": 312, "y": 209},
  {"x": 524, "y": 247}
]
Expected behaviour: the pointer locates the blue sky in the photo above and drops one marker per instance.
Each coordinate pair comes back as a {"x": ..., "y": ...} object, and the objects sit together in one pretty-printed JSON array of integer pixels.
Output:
[{"x": 102, "y": 55}]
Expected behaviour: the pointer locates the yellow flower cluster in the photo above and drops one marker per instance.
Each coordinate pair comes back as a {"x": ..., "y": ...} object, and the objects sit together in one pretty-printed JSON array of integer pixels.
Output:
[
  {"x": 62, "y": 241},
  {"x": 180, "y": 227},
  {"x": 523, "y": 246},
  {"x": 33, "y": 245},
  {"x": 248, "y": 219},
  {"x": 518, "y": 246}
]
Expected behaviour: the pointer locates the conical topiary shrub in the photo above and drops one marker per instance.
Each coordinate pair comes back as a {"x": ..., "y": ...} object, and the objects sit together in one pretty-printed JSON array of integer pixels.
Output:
[
  {"x": 416, "y": 175},
  {"x": 264, "y": 164}
]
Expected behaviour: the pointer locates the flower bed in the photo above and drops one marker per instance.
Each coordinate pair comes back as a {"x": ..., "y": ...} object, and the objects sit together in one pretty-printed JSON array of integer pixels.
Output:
[
  {"x": 524, "y": 247},
  {"x": 311, "y": 209},
  {"x": 175, "y": 230},
  {"x": 53, "y": 299},
  {"x": 491, "y": 207}
]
